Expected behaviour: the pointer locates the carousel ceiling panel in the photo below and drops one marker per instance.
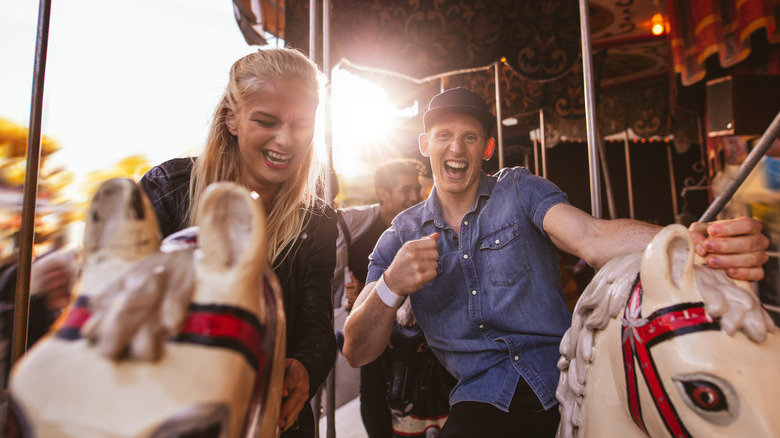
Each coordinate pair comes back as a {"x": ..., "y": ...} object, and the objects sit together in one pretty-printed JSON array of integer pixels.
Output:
[
  {"x": 635, "y": 62},
  {"x": 423, "y": 38},
  {"x": 616, "y": 22},
  {"x": 456, "y": 43}
]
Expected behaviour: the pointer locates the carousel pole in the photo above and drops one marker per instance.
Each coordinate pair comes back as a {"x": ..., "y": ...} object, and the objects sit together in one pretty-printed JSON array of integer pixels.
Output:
[
  {"x": 27, "y": 232},
  {"x": 499, "y": 118},
  {"x": 536, "y": 158},
  {"x": 330, "y": 382},
  {"x": 744, "y": 170},
  {"x": 542, "y": 144},
  {"x": 313, "y": 28},
  {"x": 590, "y": 110},
  {"x": 628, "y": 176},
  {"x": 607, "y": 182},
  {"x": 316, "y": 401}
]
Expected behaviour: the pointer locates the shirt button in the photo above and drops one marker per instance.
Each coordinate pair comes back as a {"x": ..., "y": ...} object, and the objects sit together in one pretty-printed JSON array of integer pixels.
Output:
[
  {"x": 482, "y": 326},
  {"x": 465, "y": 256},
  {"x": 517, "y": 357},
  {"x": 497, "y": 241},
  {"x": 473, "y": 292},
  {"x": 465, "y": 222}
]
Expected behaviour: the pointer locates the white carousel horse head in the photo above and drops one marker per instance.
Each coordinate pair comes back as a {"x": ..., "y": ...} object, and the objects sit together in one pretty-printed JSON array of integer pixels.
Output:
[
  {"x": 183, "y": 341},
  {"x": 678, "y": 350}
]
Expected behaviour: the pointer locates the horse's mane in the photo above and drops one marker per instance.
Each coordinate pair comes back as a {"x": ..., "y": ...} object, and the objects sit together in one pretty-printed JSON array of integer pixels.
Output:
[{"x": 605, "y": 298}]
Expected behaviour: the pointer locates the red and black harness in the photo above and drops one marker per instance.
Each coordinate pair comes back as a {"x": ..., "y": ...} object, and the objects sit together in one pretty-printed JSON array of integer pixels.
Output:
[
  {"x": 211, "y": 325},
  {"x": 639, "y": 335}
]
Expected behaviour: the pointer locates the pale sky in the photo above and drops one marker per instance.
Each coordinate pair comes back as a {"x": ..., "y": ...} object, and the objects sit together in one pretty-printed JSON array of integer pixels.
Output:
[{"x": 122, "y": 78}]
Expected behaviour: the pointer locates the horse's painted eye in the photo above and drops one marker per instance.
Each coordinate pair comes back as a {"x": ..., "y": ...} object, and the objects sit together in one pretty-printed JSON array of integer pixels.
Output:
[
  {"x": 710, "y": 397},
  {"x": 705, "y": 395}
]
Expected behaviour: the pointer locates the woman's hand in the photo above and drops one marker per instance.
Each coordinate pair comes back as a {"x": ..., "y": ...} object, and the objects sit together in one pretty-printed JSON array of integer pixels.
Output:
[
  {"x": 352, "y": 290},
  {"x": 735, "y": 245},
  {"x": 295, "y": 392}
]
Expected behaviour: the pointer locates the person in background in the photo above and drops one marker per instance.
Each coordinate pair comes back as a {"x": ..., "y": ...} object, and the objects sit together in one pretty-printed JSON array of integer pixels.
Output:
[
  {"x": 397, "y": 188},
  {"x": 478, "y": 261},
  {"x": 261, "y": 136},
  {"x": 52, "y": 277}
]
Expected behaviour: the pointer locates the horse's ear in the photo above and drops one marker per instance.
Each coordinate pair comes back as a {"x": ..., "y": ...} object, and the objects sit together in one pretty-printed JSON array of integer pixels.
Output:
[
  {"x": 232, "y": 226},
  {"x": 667, "y": 264}
]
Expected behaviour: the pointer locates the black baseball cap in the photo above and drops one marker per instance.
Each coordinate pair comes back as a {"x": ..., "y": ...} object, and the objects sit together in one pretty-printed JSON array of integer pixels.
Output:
[{"x": 459, "y": 100}]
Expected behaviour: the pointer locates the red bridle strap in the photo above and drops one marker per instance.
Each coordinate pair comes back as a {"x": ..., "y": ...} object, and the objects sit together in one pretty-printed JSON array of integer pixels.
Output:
[{"x": 639, "y": 334}]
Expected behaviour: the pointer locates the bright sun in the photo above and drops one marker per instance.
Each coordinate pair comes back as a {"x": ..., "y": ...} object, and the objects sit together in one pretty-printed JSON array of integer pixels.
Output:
[{"x": 362, "y": 115}]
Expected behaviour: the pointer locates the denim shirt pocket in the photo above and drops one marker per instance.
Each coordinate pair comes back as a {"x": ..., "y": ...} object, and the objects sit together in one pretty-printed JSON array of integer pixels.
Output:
[
  {"x": 504, "y": 255},
  {"x": 434, "y": 297}
]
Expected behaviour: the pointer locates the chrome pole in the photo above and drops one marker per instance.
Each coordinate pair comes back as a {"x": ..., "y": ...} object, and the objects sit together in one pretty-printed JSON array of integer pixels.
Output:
[
  {"x": 744, "y": 170},
  {"x": 27, "y": 231},
  {"x": 330, "y": 382},
  {"x": 543, "y": 143},
  {"x": 590, "y": 110},
  {"x": 499, "y": 117},
  {"x": 628, "y": 176}
]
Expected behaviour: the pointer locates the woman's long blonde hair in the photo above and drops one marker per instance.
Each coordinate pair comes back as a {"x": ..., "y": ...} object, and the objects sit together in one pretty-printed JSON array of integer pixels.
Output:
[{"x": 220, "y": 158}]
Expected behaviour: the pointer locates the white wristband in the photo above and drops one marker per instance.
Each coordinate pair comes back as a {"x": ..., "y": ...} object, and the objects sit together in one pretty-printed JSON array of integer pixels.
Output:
[{"x": 390, "y": 298}]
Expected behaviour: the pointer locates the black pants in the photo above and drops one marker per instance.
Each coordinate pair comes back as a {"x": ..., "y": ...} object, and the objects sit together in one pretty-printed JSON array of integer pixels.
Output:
[
  {"x": 525, "y": 418},
  {"x": 373, "y": 401}
]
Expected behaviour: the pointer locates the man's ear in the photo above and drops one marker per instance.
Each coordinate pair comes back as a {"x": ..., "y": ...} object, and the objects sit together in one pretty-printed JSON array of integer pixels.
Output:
[
  {"x": 491, "y": 146},
  {"x": 422, "y": 139},
  {"x": 382, "y": 195},
  {"x": 230, "y": 122}
]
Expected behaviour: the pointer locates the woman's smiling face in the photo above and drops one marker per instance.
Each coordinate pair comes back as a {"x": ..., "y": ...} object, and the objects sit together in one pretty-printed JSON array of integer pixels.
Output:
[{"x": 274, "y": 127}]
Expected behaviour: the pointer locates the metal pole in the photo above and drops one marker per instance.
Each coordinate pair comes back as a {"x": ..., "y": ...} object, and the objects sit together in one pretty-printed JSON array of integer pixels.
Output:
[
  {"x": 628, "y": 176},
  {"x": 499, "y": 117},
  {"x": 279, "y": 24},
  {"x": 330, "y": 382},
  {"x": 27, "y": 231},
  {"x": 590, "y": 110},
  {"x": 744, "y": 170},
  {"x": 543, "y": 143},
  {"x": 326, "y": 68},
  {"x": 671, "y": 179},
  {"x": 607, "y": 181},
  {"x": 330, "y": 403},
  {"x": 313, "y": 28},
  {"x": 313, "y": 33},
  {"x": 536, "y": 158}
]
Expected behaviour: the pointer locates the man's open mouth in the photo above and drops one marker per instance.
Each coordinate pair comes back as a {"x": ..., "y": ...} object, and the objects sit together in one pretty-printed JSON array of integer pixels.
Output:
[{"x": 455, "y": 168}]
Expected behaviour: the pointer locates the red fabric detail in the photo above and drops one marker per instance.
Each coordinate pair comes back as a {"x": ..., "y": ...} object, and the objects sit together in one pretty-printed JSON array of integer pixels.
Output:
[
  {"x": 224, "y": 326},
  {"x": 76, "y": 317},
  {"x": 700, "y": 29}
]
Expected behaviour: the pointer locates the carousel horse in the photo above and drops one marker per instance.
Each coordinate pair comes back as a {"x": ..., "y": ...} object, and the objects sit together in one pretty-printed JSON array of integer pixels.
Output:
[
  {"x": 418, "y": 386},
  {"x": 660, "y": 346},
  {"x": 184, "y": 339}
]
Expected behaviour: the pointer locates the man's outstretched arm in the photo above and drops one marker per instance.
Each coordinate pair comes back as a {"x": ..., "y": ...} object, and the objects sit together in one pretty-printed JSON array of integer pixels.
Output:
[{"x": 735, "y": 245}]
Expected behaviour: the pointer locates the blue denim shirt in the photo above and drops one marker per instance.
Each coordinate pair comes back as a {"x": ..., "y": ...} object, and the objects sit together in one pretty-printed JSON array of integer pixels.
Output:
[{"x": 496, "y": 311}]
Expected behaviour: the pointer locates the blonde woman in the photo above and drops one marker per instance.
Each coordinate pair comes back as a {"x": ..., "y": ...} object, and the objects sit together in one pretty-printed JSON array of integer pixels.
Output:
[{"x": 261, "y": 136}]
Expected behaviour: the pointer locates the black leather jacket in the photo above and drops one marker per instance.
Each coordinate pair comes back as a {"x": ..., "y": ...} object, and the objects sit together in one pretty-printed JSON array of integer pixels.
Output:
[{"x": 305, "y": 274}]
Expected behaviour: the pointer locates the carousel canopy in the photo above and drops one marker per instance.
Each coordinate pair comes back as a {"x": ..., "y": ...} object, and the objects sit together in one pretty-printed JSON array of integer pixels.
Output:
[{"x": 415, "y": 48}]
